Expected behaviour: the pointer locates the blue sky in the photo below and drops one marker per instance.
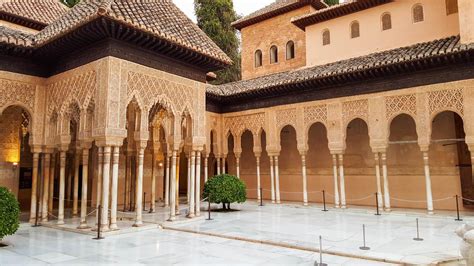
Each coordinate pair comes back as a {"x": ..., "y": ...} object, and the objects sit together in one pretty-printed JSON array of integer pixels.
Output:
[{"x": 242, "y": 7}]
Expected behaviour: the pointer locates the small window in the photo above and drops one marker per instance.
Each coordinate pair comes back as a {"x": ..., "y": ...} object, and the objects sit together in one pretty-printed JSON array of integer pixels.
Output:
[
  {"x": 355, "y": 30},
  {"x": 273, "y": 54},
  {"x": 451, "y": 7},
  {"x": 386, "y": 21},
  {"x": 418, "y": 13},
  {"x": 258, "y": 58},
  {"x": 290, "y": 50},
  {"x": 326, "y": 37}
]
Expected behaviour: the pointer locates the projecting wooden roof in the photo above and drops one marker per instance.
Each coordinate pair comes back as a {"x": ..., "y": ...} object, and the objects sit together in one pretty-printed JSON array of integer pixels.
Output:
[
  {"x": 35, "y": 14},
  {"x": 277, "y": 8},
  {"x": 402, "y": 60},
  {"x": 348, "y": 7}
]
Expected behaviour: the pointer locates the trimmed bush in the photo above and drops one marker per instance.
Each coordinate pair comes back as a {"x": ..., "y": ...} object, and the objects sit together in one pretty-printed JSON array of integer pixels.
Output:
[
  {"x": 9, "y": 213},
  {"x": 225, "y": 189}
]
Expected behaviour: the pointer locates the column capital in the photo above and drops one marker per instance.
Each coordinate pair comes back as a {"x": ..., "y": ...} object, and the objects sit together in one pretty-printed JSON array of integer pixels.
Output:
[{"x": 337, "y": 151}]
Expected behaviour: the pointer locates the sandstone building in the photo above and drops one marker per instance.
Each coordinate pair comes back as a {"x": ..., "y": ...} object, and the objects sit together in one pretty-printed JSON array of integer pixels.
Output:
[{"x": 108, "y": 100}]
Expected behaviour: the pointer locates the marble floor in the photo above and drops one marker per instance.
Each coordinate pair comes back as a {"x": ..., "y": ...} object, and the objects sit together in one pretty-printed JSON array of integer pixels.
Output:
[
  {"x": 45, "y": 246},
  {"x": 389, "y": 236}
]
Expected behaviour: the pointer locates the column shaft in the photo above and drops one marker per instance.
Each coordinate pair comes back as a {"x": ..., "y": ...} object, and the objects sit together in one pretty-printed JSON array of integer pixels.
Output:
[
  {"x": 305, "y": 188},
  {"x": 237, "y": 163},
  {"x": 191, "y": 187},
  {"x": 272, "y": 179},
  {"x": 104, "y": 223},
  {"x": 342, "y": 182},
  {"x": 277, "y": 181},
  {"x": 198, "y": 183},
  {"x": 154, "y": 172},
  {"x": 429, "y": 194},
  {"x": 167, "y": 181},
  {"x": 62, "y": 186},
  {"x": 259, "y": 195},
  {"x": 51, "y": 183},
  {"x": 85, "y": 180},
  {"x": 336, "y": 185},
  {"x": 218, "y": 165},
  {"x": 46, "y": 168},
  {"x": 173, "y": 187},
  {"x": 223, "y": 165},
  {"x": 75, "y": 194},
  {"x": 377, "y": 175},
  {"x": 100, "y": 165},
  {"x": 206, "y": 171},
  {"x": 386, "y": 189},
  {"x": 34, "y": 187},
  {"x": 139, "y": 189},
  {"x": 114, "y": 201}
]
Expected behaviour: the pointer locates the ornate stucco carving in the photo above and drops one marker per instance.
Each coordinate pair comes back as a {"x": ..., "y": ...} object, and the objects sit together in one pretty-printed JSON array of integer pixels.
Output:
[
  {"x": 14, "y": 92},
  {"x": 238, "y": 124},
  {"x": 399, "y": 104},
  {"x": 441, "y": 100},
  {"x": 355, "y": 109}
]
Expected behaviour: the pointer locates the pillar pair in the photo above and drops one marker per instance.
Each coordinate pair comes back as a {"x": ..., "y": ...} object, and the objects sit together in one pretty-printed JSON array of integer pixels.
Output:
[
  {"x": 275, "y": 179},
  {"x": 338, "y": 173},
  {"x": 383, "y": 198},
  {"x": 195, "y": 184},
  {"x": 221, "y": 167}
]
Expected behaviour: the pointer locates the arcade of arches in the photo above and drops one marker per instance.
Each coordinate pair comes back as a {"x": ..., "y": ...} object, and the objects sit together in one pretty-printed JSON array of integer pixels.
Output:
[{"x": 110, "y": 131}]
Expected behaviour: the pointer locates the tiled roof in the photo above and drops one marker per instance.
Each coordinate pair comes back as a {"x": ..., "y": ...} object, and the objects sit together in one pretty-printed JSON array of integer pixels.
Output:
[
  {"x": 14, "y": 37},
  {"x": 39, "y": 11},
  {"x": 416, "y": 54},
  {"x": 274, "y": 9},
  {"x": 159, "y": 18},
  {"x": 348, "y": 7}
]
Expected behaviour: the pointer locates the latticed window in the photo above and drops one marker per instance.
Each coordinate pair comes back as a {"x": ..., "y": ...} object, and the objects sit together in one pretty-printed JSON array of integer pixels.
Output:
[
  {"x": 326, "y": 37},
  {"x": 273, "y": 54},
  {"x": 418, "y": 13},
  {"x": 451, "y": 7},
  {"x": 290, "y": 50},
  {"x": 386, "y": 21},
  {"x": 355, "y": 29},
  {"x": 258, "y": 58}
]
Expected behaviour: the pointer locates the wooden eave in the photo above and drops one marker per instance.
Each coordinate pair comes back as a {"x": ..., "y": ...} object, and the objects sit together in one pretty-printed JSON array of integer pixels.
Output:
[{"x": 26, "y": 22}]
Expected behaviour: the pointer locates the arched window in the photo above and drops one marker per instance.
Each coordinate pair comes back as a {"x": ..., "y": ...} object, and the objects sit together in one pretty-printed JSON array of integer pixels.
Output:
[
  {"x": 273, "y": 54},
  {"x": 355, "y": 29},
  {"x": 451, "y": 7},
  {"x": 258, "y": 58},
  {"x": 418, "y": 13},
  {"x": 290, "y": 50},
  {"x": 386, "y": 21},
  {"x": 326, "y": 37}
]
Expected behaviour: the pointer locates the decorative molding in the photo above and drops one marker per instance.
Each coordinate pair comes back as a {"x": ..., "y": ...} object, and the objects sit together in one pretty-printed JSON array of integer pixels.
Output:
[
  {"x": 355, "y": 109},
  {"x": 399, "y": 104},
  {"x": 452, "y": 99}
]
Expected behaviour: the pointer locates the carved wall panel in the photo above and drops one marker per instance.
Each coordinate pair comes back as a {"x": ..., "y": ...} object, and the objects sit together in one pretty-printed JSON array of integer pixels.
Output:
[
  {"x": 313, "y": 114},
  {"x": 14, "y": 92},
  {"x": 399, "y": 104},
  {"x": 355, "y": 109},
  {"x": 442, "y": 100},
  {"x": 286, "y": 117},
  {"x": 238, "y": 124}
]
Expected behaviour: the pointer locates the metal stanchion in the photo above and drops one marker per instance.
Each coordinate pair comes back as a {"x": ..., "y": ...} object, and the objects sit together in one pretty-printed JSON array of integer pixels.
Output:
[
  {"x": 261, "y": 197},
  {"x": 144, "y": 202},
  {"x": 364, "y": 247},
  {"x": 324, "y": 201},
  {"x": 417, "y": 238},
  {"x": 377, "y": 203},
  {"x": 209, "y": 208},
  {"x": 99, "y": 218},
  {"x": 457, "y": 209},
  {"x": 320, "y": 253}
]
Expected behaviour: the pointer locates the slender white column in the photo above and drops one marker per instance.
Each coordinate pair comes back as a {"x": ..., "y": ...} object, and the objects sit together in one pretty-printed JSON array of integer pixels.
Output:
[
  {"x": 259, "y": 195},
  {"x": 51, "y": 183},
  {"x": 429, "y": 194},
  {"x": 272, "y": 179},
  {"x": 154, "y": 172},
  {"x": 189, "y": 178},
  {"x": 34, "y": 188},
  {"x": 167, "y": 181},
  {"x": 223, "y": 165},
  {"x": 198, "y": 183},
  {"x": 114, "y": 202},
  {"x": 218, "y": 165},
  {"x": 173, "y": 188},
  {"x": 206, "y": 170},
  {"x": 100, "y": 155},
  {"x": 336, "y": 186},
  {"x": 377, "y": 175},
  {"x": 342, "y": 182},
  {"x": 104, "y": 223},
  {"x": 192, "y": 184},
  {"x": 237, "y": 163},
  {"x": 127, "y": 178},
  {"x": 386, "y": 188},
  {"x": 305, "y": 186},
  {"x": 139, "y": 189},
  {"x": 46, "y": 166},
  {"x": 62, "y": 186},
  {"x": 75, "y": 193},
  {"x": 277, "y": 181},
  {"x": 85, "y": 180}
]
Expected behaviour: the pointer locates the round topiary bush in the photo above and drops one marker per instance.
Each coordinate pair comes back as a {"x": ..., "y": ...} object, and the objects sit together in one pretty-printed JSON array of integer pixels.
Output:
[
  {"x": 9, "y": 213},
  {"x": 225, "y": 189}
]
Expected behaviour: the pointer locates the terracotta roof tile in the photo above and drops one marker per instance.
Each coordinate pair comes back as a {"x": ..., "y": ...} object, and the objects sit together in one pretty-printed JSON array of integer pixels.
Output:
[
  {"x": 40, "y": 11},
  {"x": 160, "y": 18},
  {"x": 274, "y": 9},
  {"x": 402, "y": 55},
  {"x": 15, "y": 37}
]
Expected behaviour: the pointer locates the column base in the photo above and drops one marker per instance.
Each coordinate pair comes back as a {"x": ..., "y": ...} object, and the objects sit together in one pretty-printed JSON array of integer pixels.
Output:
[
  {"x": 278, "y": 202},
  {"x": 198, "y": 214},
  {"x": 83, "y": 226},
  {"x": 305, "y": 204},
  {"x": 166, "y": 205},
  {"x": 388, "y": 209},
  {"x": 343, "y": 207},
  {"x": 337, "y": 206},
  {"x": 273, "y": 201},
  {"x": 430, "y": 212},
  {"x": 113, "y": 227},
  {"x": 152, "y": 211},
  {"x": 138, "y": 224},
  {"x": 171, "y": 219},
  {"x": 60, "y": 223},
  {"x": 104, "y": 228},
  {"x": 191, "y": 215},
  {"x": 44, "y": 220}
]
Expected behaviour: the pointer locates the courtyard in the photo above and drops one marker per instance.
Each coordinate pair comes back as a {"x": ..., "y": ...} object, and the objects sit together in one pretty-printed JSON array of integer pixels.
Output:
[{"x": 252, "y": 235}]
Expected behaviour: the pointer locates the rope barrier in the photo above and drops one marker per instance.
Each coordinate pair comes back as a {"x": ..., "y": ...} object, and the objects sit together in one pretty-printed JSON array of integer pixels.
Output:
[
  {"x": 52, "y": 215},
  {"x": 470, "y": 200},
  {"x": 360, "y": 199}
]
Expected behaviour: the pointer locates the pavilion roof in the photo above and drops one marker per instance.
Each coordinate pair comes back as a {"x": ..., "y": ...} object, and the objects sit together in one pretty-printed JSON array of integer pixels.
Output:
[{"x": 34, "y": 14}]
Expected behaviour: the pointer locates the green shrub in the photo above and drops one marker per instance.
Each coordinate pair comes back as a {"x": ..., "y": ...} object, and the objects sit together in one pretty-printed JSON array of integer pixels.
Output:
[
  {"x": 9, "y": 213},
  {"x": 225, "y": 189}
]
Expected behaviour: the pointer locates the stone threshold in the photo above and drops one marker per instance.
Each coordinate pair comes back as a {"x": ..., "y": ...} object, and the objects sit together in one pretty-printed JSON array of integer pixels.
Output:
[{"x": 445, "y": 262}]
